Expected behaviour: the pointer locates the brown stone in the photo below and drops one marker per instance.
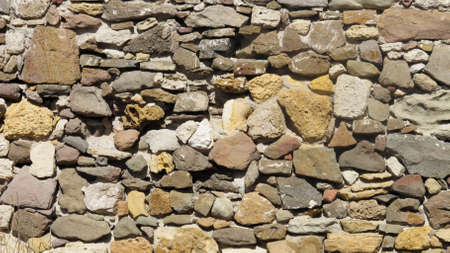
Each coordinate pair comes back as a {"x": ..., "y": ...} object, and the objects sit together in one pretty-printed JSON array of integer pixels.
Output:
[
  {"x": 158, "y": 95},
  {"x": 310, "y": 112},
  {"x": 90, "y": 76},
  {"x": 360, "y": 17},
  {"x": 310, "y": 244},
  {"x": 134, "y": 245},
  {"x": 358, "y": 226},
  {"x": 437, "y": 210},
  {"x": 81, "y": 21},
  {"x": 254, "y": 209},
  {"x": 159, "y": 201},
  {"x": 398, "y": 24},
  {"x": 367, "y": 209},
  {"x": 26, "y": 225},
  {"x": 125, "y": 139},
  {"x": 121, "y": 208},
  {"x": 410, "y": 185},
  {"x": 170, "y": 239},
  {"x": 414, "y": 239},
  {"x": 53, "y": 57},
  {"x": 342, "y": 137},
  {"x": 351, "y": 243}
]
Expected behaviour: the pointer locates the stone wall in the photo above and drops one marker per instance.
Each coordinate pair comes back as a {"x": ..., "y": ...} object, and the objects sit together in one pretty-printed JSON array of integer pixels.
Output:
[{"x": 209, "y": 126}]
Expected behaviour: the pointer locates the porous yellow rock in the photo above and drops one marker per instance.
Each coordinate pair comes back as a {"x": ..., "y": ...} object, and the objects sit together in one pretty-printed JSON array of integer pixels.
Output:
[
  {"x": 264, "y": 87},
  {"x": 231, "y": 84},
  {"x": 26, "y": 120},
  {"x": 40, "y": 244},
  {"x": 414, "y": 239},
  {"x": 136, "y": 204},
  {"x": 322, "y": 85},
  {"x": 136, "y": 115},
  {"x": 310, "y": 112},
  {"x": 163, "y": 161}
]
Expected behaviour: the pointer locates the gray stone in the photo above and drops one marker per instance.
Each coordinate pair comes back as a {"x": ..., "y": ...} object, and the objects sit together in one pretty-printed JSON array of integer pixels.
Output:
[
  {"x": 370, "y": 51},
  {"x": 363, "y": 157},
  {"x": 4, "y": 7},
  {"x": 88, "y": 101},
  {"x": 19, "y": 151},
  {"x": 436, "y": 209},
  {"x": 269, "y": 232},
  {"x": 266, "y": 121},
  {"x": 178, "y": 219},
  {"x": 351, "y": 94},
  {"x": 126, "y": 227},
  {"x": 189, "y": 159},
  {"x": 377, "y": 110},
  {"x": 269, "y": 192},
  {"x": 204, "y": 203},
  {"x": 72, "y": 197},
  {"x": 78, "y": 227},
  {"x": 284, "y": 145},
  {"x": 396, "y": 73},
  {"x": 344, "y": 53},
  {"x": 136, "y": 163},
  {"x": 298, "y": 193},
  {"x": 423, "y": 155},
  {"x": 222, "y": 208},
  {"x": 135, "y": 80},
  {"x": 395, "y": 212},
  {"x": 161, "y": 140},
  {"x": 235, "y": 236},
  {"x": 360, "y": 4},
  {"x": 362, "y": 69},
  {"x": 308, "y": 225},
  {"x": 325, "y": 36},
  {"x": 147, "y": 221},
  {"x": 265, "y": 17},
  {"x": 29, "y": 9},
  {"x": 76, "y": 142},
  {"x": 336, "y": 209},
  {"x": 317, "y": 162},
  {"x": 186, "y": 59},
  {"x": 177, "y": 180},
  {"x": 209, "y": 47},
  {"x": 10, "y": 91},
  {"x": 251, "y": 175},
  {"x": 303, "y": 4},
  {"x": 195, "y": 101},
  {"x": 181, "y": 202},
  {"x": 158, "y": 40},
  {"x": 275, "y": 167},
  {"x": 216, "y": 16},
  {"x": 439, "y": 64},
  {"x": 367, "y": 126},
  {"x": 425, "y": 83},
  {"x": 117, "y": 10},
  {"x": 309, "y": 64},
  {"x": 103, "y": 173},
  {"x": 26, "y": 225},
  {"x": 104, "y": 146}
]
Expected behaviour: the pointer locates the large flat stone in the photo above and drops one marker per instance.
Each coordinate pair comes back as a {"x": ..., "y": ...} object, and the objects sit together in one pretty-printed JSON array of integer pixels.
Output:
[
  {"x": 78, "y": 227},
  {"x": 360, "y": 4},
  {"x": 439, "y": 64},
  {"x": 361, "y": 243},
  {"x": 298, "y": 193},
  {"x": 216, "y": 16},
  {"x": 118, "y": 10},
  {"x": 325, "y": 36},
  {"x": 351, "y": 94}
]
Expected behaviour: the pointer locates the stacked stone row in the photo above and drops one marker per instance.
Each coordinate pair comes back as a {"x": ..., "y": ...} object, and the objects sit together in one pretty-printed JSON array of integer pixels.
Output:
[{"x": 224, "y": 126}]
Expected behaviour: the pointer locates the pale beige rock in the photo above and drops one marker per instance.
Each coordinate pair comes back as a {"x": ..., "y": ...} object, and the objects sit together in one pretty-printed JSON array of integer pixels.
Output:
[
  {"x": 40, "y": 244},
  {"x": 132, "y": 245},
  {"x": 347, "y": 194},
  {"x": 92, "y": 9},
  {"x": 235, "y": 114},
  {"x": 443, "y": 234},
  {"x": 254, "y": 209},
  {"x": 358, "y": 226},
  {"x": 170, "y": 239},
  {"x": 361, "y": 32},
  {"x": 136, "y": 204},
  {"x": 353, "y": 243}
]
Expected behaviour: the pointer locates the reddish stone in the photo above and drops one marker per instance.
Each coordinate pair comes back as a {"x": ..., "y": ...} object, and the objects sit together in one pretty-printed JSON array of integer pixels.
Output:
[
  {"x": 410, "y": 185},
  {"x": 67, "y": 155},
  {"x": 81, "y": 21},
  {"x": 124, "y": 140},
  {"x": 329, "y": 195},
  {"x": 90, "y": 76},
  {"x": 342, "y": 137}
]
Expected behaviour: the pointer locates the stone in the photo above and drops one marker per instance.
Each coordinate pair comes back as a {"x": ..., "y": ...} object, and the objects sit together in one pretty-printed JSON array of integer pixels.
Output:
[
  {"x": 360, "y": 242},
  {"x": 126, "y": 227},
  {"x": 183, "y": 239},
  {"x": 425, "y": 83},
  {"x": 26, "y": 225},
  {"x": 158, "y": 40},
  {"x": 10, "y": 91},
  {"x": 309, "y": 3},
  {"x": 284, "y": 145},
  {"x": 310, "y": 112},
  {"x": 264, "y": 87},
  {"x": 336, "y": 209},
  {"x": 317, "y": 162},
  {"x": 231, "y": 84},
  {"x": 370, "y": 51},
  {"x": 269, "y": 167},
  {"x": 12, "y": 243},
  {"x": 344, "y": 53},
  {"x": 26, "y": 120},
  {"x": 325, "y": 36},
  {"x": 235, "y": 236},
  {"x": 367, "y": 126},
  {"x": 298, "y": 193},
  {"x": 432, "y": 186},
  {"x": 67, "y": 155},
  {"x": 366, "y": 210},
  {"x": 362, "y": 69},
  {"x": 87, "y": 101},
  {"x": 265, "y": 17},
  {"x": 26, "y": 191},
  {"x": 138, "y": 245},
  {"x": 363, "y": 157},
  {"x": 361, "y": 32},
  {"x": 6, "y": 213},
  {"x": 135, "y": 80},
  {"x": 81, "y": 21},
  {"x": 202, "y": 139},
  {"x": 57, "y": 50},
  {"x": 322, "y": 85},
  {"x": 438, "y": 63},
  {"x": 269, "y": 192},
  {"x": 436, "y": 210},
  {"x": 39, "y": 244},
  {"x": 186, "y": 59},
  {"x": 216, "y": 16},
  {"x": 136, "y": 204},
  {"x": 415, "y": 55},
  {"x": 235, "y": 114},
  {"x": 158, "y": 94},
  {"x": 410, "y": 185},
  {"x": 72, "y": 199},
  {"x": 266, "y": 121},
  {"x": 307, "y": 225},
  {"x": 291, "y": 42},
  {"x": 234, "y": 152},
  {"x": 147, "y": 221},
  {"x": 136, "y": 163},
  {"x": 360, "y": 17},
  {"x": 377, "y": 110},
  {"x": 342, "y": 137},
  {"x": 430, "y": 25},
  {"x": 270, "y": 232},
  {"x": 121, "y": 11},
  {"x": 419, "y": 154},
  {"x": 293, "y": 244},
  {"x": 358, "y": 226},
  {"x": 248, "y": 67},
  {"x": 42, "y": 156},
  {"x": 396, "y": 73},
  {"x": 125, "y": 139},
  {"x": 443, "y": 234},
  {"x": 348, "y": 86},
  {"x": 309, "y": 64},
  {"x": 177, "y": 180},
  {"x": 189, "y": 159},
  {"x": 413, "y": 239},
  {"x": 92, "y": 9},
  {"x": 254, "y": 209},
  {"x": 159, "y": 202},
  {"x": 181, "y": 202},
  {"x": 195, "y": 101},
  {"x": 301, "y": 26},
  {"x": 209, "y": 47},
  {"x": 222, "y": 208},
  {"x": 359, "y": 4},
  {"x": 204, "y": 203},
  {"x": 102, "y": 197},
  {"x": 79, "y": 247},
  {"x": 161, "y": 140},
  {"x": 29, "y": 9},
  {"x": 19, "y": 151},
  {"x": 104, "y": 146},
  {"x": 79, "y": 227},
  {"x": 395, "y": 213}
]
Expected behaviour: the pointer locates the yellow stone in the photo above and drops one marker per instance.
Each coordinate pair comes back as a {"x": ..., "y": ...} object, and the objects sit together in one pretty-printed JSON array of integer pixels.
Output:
[
  {"x": 353, "y": 243},
  {"x": 163, "y": 161},
  {"x": 231, "y": 84},
  {"x": 322, "y": 85},
  {"x": 132, "y": 245},
  {"x": 358, "y": 226},
  {"x": 136, "y": 204},
  {"x": 26, "y": 120},
  {"x": 40, "y": 244},
  {"x": 414, "y": 239},
  {"x": 136, "y": 115},
  {"x": 264, "y": 87},
  {"x": 235, "y": 114},
  {"x": 87, "y": 8},
  {"x": 444, "y": 234}
]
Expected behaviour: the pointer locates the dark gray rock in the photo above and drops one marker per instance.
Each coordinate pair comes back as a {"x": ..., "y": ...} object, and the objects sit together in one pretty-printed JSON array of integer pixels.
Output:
[
  {"x": 76, "y": 142},
  {"x": 363, "y": 157},
  {"x": 19, "y": 151},
  {"x": 26, "y": 225},
  {"x": 126, "y": 227},
  {"x": 235, "y": 236},
  {"x": 79, "y": 227},
  {"x": 298, "y": 193},
  {"x": 88, "y": 101},
  {"x": 189, "y": 159}
]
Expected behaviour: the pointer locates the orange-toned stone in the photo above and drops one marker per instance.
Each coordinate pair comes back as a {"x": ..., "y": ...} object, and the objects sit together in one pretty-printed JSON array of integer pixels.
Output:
[
  {"x": 121, "y": 208},
  {"x": 132, "y": 245},
  {"x": 342, "y": 137},
  {"x": 159, "y": 202}
]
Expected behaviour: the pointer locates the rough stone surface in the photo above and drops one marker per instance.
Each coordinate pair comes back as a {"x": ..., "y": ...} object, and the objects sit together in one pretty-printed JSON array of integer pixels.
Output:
[
  {"x": 297, "y": 193},
  {"x": 235, "y": 236},
  {"x": 266, "y": 121},
  {"x": 79, "y": 227},
  {"x": 351, "y": 87},
  {"x": 438, "y": 64},
  {"x": 72, "y": 199},
  {"x": 254, "y": 209},
  {"x": 26, "y": 225},
  {"x": 367, "y": 210},
  {"x": 102, "y": 197},
  {"x": 436, "y": 209},
  {"x": 396, "y": 73},
  {"x": 88, "y": 101},
  {"x": 216, "y": 16},
  {"x": 325, "y": 36},
  {"x": 363, "y": 157},
  {"x": 187, "y": 158},
  {"x": 309, "y": 64},
  {"x": 363, "y": 242},
  {"x": 184, "y": 239},
  {"x": 413, "y": 239},
  {"x": 42, "y": 156}
]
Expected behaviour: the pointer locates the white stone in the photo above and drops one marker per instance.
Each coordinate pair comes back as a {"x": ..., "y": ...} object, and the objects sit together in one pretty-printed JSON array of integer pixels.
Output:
[
  {"x": 427, "y": 4},
  {"x": 159, "y": 64},
  {"x": 416, "y": 55},
  {"x": 58, "y": 131},
  {"x": 394, "y": 55},
  {"x": 11, "y": 244},
  {"x": 244, "y": 250},
  {"x": 162, "y": 140},
  {"x": 107, "y": 35},
  {"x": 266, "y": 17},
  {"x": 415, "y": 68},
  {"x": 79, "y": 247},
  {"x": 42, "y": 156},
  {"x": 4, "y": 146},
  {"x": 30, "y": 9},
  {"x": 361, "y": 32},
  {"x": 222, "y": 208},
  {"x": 395, "y": 167},
  {"x": 186, "y": 130},
  {"x": 308, "y": 225},
  {"x": 104, "y": 146},
  {"x": 396, "y": 46},
  {"x": 350, "y": 96},
  {"x": 114, "y": 54},
  {"x": 301, "y": 26},
  {"x": 175, "y": 82},
  {"x": 336, "y": 70},
  {"x": 6, "y": 213},
  {"x": 102, "y": 197},
  {"x": 15, "y": 40},
  {"x": 6, "y": 169},
  {"x": 350, "y": 176},
  {"x": 202, "y": 138}
]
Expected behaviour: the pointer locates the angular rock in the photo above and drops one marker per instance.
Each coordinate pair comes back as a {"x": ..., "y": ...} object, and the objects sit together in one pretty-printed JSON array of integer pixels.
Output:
[
  {"x": 72, "y": 199},
  {"x": 312, "y": 244},
  {"x": 184, "y": 240},
  {"x": 436, "y": 209},
  {"x": 177, "y": 180},
  {"x": 367, "y": 126},
  {"x": 138, "y": 245},
  {"x": 222, "y": 208},
  {"x": 104, "y": 146},
  {"x": 235, "y": 236},
  {"x": 196, "y": 101},
  {"x": 439, "y": 63},
  {"x": 186, "y": 59},
  {"x": 81, "y": 21},
  {"x": 344, "y": 53},
  {"x": 181, "y": 202},
  {"x": 158, "y": 40},
  {"x": 363, "y": 157},
  {"x": 249, "y": 67},
  {"x": 117, "y": 10},
  {"x": 309, "y": 64},
  {"x": 264, "y": 87},
  {"x": 317, "y": 162},
  {"x": 336, "y": 209},
  {"x": 396, "y": 73},
  {"x": 423, "y": 155},
  {"x": 158, "y": 94},
  {"x": 310, "y": 112},
  {"x": 159, "y": 202},
  {"x": 134, "y": 80},
  {"x": 26, "y": 225},
  {"x": 102, "y": 197},
  {"x": 6, "y": 213},
  {"x": 298, "y": 193},
  {"x": 342, "y": 137},
  {"x": 370, "y": 51},
  {"x": 410, "y": 185},
  {"x": 88, "y": 101},
  {"x": 395, "y": 212},
  {"x": 267, "y": 121},
  {"x": 284, "y": 145},
  {"x": 234, "y": 115},
  {"x": 348, "y": 86},
  {"x": 42, "y": 156},
  {"x": 19, "y": 151},
  {"x": 126, "y": 227},
  {"x": 265, "y": 17},
  {"x": 325, "y": 36},
  {"x": 362, "y": 69},
  {"x": 362, "y": 242},
  {"x": 302, "y": 4},
  {"x": 377, "y": 110},
  {"x": 307, "y": 225},
  {"x": 204, "y": 203},
  {"x": 270, "y": 232},
  {"x": 414, "y": 239},
  {"x": 254, "y": 209},
  {"x": 29, "y": 9},
  {"x": 234, "y": 152},
  {"x": 291, "y": 42},
  {"x": 161, "y": 140},
  {"x": 78, "y": 227},
  {"x": 367, "y": 210},
  {"x": 67, "y": 155},
  {"x": 414, "y": 24},
  {"x": 136, "y": 204},
  {"x": 53, "y": 58},
  {"x": 216, "y": 16},
  {"x": 270, "y": 167},
  {"x": 189, "y": 159}
]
